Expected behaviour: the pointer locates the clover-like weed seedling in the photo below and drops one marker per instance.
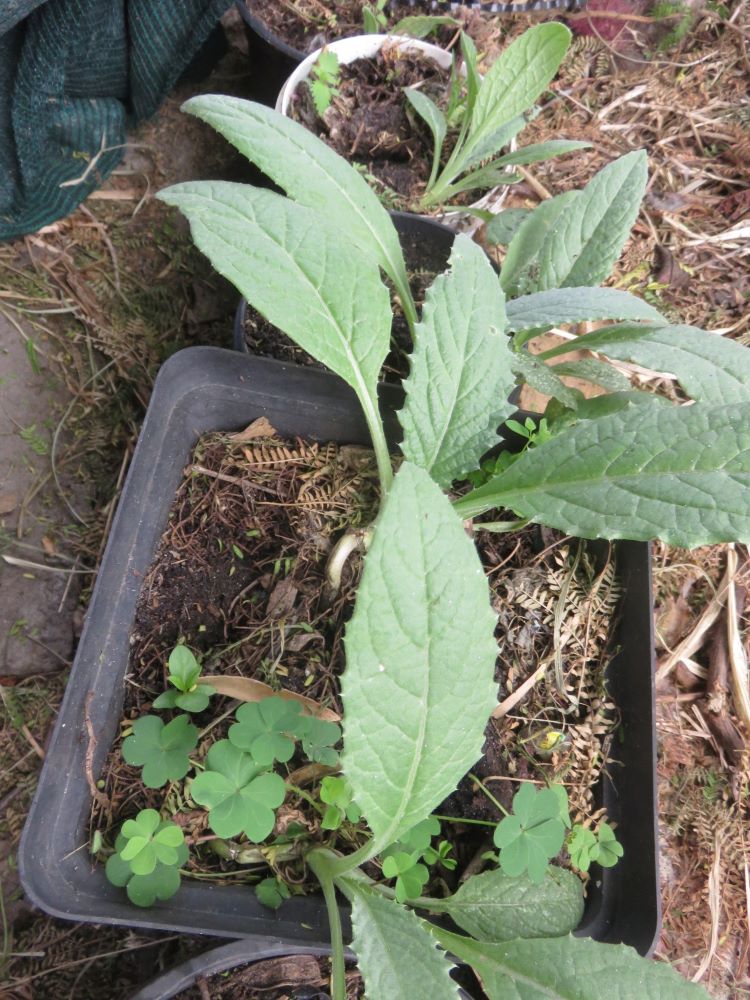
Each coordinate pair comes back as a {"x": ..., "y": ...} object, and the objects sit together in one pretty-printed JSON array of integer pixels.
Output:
[
  {"x": 184, "y": 671},
  {"x": 148, "y": 854},
  {"x": 337, "y": 795},
  {"x": 586, "y": 847},
  {"x": 403, "y": 860},
  {"x": 266, "y": 729},
  {"x": 240, "y": 794},
  {"x": 319, "y": 737},
  {"x": 162, "y": 750},
  {"x": 411, "y": 876},
  {"x": 534, "y": 832}
]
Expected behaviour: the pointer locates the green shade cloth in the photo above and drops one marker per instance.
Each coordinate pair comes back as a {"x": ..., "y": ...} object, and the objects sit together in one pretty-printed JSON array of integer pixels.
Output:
[{"x": 73, "y": 75}]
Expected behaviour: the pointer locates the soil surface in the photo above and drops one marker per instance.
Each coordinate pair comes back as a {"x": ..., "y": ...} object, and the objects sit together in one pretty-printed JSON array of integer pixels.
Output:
[
  {"x": 371, "y": 124},
  {"x": 240, "y": 576},
  {"x": 308, "y": 25}
]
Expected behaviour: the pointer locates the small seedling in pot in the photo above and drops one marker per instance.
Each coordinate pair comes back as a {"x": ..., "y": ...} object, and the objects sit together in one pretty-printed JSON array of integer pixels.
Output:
[
  {"x": 534, "y": 832},
  {"x": 162, "y": 750},
  {"x": 586, "y": 846},
  {"x": 326, "y": 76},
  {"x": 374, "y": 18},
  {"x": 148, "y": 854},
  {"x": 184, "y": 672},
  {"x": 337, "y": 796}
]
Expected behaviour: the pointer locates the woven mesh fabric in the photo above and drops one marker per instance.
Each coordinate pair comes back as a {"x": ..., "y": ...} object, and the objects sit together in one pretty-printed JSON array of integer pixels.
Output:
[{"x": 73, "y": 75}]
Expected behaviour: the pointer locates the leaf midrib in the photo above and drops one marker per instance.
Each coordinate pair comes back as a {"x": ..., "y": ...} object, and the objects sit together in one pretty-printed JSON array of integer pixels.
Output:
[{"x": 342, "y": 192}]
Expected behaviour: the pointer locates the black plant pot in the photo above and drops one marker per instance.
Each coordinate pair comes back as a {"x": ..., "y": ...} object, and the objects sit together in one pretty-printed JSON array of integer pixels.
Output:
[
  {"x": 426, "y": 245},
  {"x": 203, "y": 389},
  {"x": 271, "y": 59},
  {"x": 223, "y": 959}
]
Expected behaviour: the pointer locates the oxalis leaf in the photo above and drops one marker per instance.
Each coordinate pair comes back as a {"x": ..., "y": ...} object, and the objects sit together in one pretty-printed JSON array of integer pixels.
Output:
[
  {"x": 651, "y": 471},
  {"x": 395, "y": 952},
  {"x": 461, "y": 376},
  {"x": 310, "y": 172},
  {"x": 298, "y": 270},
  {"x": 585, "y": 240},
  {"x": 568, "y": 968},
  {"x": 420, "y": 652},
  {"x": 163, "y": 750},
  {"x": 710, "y": 368},
  {"x": 495, "y": 907}
]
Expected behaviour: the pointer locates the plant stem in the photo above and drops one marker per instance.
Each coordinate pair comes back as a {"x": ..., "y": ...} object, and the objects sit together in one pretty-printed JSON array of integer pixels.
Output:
[
  {"x": 306, "y": 796},
  {"x": 488, "y": 793},
  {"x": 379, "y": 444},
  {"x": 461, "y": 819},
  {"x": 321, "y": 867}
]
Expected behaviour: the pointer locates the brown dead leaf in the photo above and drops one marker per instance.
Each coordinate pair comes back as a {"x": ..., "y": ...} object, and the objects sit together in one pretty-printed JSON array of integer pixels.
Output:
[
  {"x": 8, "y": 502},
  {"x": 247, "y": 689},
  {"x": 48, "y": 545},
  {"x": 666, "y": 269},
  {"x": 282, "y": 598},
  {"x": 259, "y": 428}
]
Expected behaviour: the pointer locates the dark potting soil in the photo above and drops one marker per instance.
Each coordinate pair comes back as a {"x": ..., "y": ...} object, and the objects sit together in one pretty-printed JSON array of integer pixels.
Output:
[
  {"x": 240, "y": 576},
  {"x": 308, "y": 25},
  {"x": 423, "y": 263},
  {"x": 370, "y": 123},
  {"x": 289, "y": 977}
]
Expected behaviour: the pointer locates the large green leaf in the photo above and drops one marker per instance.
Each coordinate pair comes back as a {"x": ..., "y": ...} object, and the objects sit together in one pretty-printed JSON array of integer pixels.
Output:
[
  {"x": 298, "y": 271},
  {"x": 531, "y": 243},
  {"x": 396, "y": 954},
  {"x": 544, "y": 379},
  {"x": 710, "y": 368},
  {"x": 585, "y": 241},
  {"x": 516, "y": 79},
  {"x": 651, "y": 471},
  {"x": 420, "y": 651},
  {"x": 574, "y": 305},
  {"x": 568, "y": 968},
  {"x": 495, "y": 907},
  {"x": 310, "y": 172},
  {"x": 460, "y": 379}
]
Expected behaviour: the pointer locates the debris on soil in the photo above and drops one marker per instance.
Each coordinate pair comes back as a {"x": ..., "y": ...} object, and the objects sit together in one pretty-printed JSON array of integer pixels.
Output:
[{"x": 272, "y": 979}]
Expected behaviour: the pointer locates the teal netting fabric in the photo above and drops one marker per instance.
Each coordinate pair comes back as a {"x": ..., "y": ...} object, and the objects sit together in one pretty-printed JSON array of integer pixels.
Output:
[{"x": 73, "y": 74}]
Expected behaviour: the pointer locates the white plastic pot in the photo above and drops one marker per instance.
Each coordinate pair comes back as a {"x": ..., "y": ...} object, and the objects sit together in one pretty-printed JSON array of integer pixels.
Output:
[{"x": 349, "y": 50}]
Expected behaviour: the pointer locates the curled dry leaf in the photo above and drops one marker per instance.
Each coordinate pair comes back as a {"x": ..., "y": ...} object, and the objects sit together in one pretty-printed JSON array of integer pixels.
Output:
[
  {"x": 246, "y": 689},
  {"x": 259, "y": 428}
]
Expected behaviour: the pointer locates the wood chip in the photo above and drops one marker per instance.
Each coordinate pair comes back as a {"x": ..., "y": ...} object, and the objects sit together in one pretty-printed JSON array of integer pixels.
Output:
[{"x": 259, "y": 428}]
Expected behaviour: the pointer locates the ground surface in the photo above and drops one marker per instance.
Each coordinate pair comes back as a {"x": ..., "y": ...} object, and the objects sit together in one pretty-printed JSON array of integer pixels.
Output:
[{"x": 92, "y": 305}]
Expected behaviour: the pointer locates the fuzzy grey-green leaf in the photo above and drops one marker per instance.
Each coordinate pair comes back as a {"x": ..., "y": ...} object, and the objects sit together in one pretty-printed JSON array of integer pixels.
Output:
[
  {"x": 652, "y": 471},
  {"x": 460, "y": 373},
  {"x": 297, "y": 271},
  {"x": 310, "y": 172},
  {"x": 568, "y": 968},
  {"x": 585, "y": 240},
  {"x": 574, "y": 305},
  {"x": 710, "y": 368},
  {"x": 494, "y": 907},
  {"x": 418, "y": 687},
  {"x": 396, "y": 954}
]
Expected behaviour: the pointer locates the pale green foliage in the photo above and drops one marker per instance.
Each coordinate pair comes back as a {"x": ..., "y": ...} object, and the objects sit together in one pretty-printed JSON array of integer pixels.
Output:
[
  {"x": 420, "y": 651},
  {"x": 266, "y": 729},
  {"x": 568, "y": 968},
  {"x": 533, "y": 833},
  {"x": 325, "y": 76},
  {"x": 312, "y": 175},
  {"x": 162, "y": 750},
  {"x": 336, "y": 793},
  {"x": 650, "y": 471},
  {"x": 184, "y": 671},
  {"x": 495, "y": 907},
  {"x": 240, "y": 795},
  {"x": 575, "y": 305},
  {"x": 395, "y": 952},
  {"x": 574, "y": 239},
  {"x": 460, "y": 373},
  {"x": 148, "y": 854}
]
